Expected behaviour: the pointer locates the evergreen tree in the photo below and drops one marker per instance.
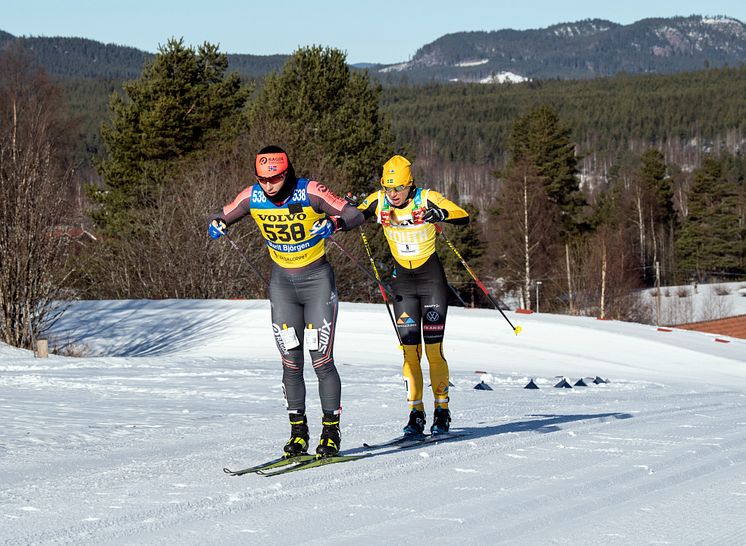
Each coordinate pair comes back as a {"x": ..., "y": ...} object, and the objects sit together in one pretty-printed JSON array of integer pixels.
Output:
[
  {"x": 528, "y": 241},
  {"x": 183, "y": 102},
  {"x": 710, "y": 242},
  {"x": 327, "y": 117},
  {"x": 656, "y": 213},
  {"x": 658, "y": 186},
  {"x": 540, "y": 140},
  {"x": 541, "y": 148}
]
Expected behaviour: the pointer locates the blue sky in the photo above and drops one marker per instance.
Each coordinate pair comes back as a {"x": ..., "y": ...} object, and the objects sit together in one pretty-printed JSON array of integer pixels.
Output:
[{"x": 384, "y": 31}]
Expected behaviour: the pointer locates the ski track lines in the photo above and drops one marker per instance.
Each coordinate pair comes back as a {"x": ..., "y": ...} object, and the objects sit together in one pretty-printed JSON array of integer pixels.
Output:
[
  {"x": 683, "y": 465},
  {"x": 544, "y": 513},
  {"x": 491, "y": 479},
  {"x": 541, "y": 515},
  {"x": 486, "y": 492},
  {"x": 675, "y": 463}
]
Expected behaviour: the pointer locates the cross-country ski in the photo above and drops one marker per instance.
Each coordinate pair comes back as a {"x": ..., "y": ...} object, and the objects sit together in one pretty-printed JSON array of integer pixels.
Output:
[
  {"x": 407, "y": 441},
  {"x": 311, "y": 463},
  {"x": 274, "y": 463}
]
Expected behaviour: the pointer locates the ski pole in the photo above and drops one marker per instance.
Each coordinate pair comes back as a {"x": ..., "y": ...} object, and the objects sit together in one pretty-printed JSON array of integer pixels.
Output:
[
  {"x": 456, "y": 294},
  {"x": 246, "y": 259},
  {"x": 358, "y": 264},
  {"x": 516, "y": 329},
  {"x": 380, "y": 286}
]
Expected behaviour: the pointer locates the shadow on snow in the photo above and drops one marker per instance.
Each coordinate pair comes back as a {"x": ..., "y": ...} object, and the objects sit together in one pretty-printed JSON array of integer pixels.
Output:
[
  {"x": 134, "y": 329},
  {"x": 542, "y": 424}
]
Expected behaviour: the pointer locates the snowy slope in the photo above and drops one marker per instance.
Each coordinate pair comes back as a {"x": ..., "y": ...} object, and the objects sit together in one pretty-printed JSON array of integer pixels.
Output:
[
  {"x": 126, "y": 445},
  {"x": 696, "y": 302}
]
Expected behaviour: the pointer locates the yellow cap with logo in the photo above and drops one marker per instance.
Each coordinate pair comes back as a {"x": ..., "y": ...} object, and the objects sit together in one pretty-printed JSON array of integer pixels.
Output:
[{"x": 396, "y": 173}]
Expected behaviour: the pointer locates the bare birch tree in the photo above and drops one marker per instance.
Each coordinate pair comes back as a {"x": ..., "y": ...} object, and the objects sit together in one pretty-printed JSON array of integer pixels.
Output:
[
  {"x": 34, "y": 179},
  {"x": 528, "y": 235}
]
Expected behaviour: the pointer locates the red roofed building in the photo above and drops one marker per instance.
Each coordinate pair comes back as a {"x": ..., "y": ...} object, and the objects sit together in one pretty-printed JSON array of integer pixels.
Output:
[{"x": 730, "y": 326}]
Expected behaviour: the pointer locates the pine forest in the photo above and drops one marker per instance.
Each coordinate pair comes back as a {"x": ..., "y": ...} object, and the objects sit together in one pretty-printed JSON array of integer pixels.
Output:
[{"x": 593, "y": 190}]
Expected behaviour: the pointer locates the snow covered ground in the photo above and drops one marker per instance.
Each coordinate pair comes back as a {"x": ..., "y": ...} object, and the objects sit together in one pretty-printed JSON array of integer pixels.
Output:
[
  {"x": 126, "y": 444},
  {"x": 696, "y": 303}
]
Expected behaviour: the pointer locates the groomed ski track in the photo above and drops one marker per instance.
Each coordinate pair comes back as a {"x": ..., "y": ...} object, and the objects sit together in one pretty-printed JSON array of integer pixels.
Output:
[{"x": 130, "y": 450}]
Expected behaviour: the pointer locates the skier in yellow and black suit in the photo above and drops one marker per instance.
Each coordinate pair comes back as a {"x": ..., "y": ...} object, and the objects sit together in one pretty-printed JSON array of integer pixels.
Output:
[{"x": 406, "y": 214}]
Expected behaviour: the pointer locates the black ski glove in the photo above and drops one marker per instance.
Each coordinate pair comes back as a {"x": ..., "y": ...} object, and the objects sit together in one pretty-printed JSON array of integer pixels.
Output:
[{"x": 435, "y": 214}]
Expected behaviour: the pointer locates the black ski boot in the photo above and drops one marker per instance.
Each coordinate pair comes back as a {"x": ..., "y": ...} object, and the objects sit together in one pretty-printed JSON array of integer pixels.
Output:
[
  {"x": 416, "y": 425},
  {"x": 298, "y": 442},
  {"x": 330, "y": 436},
  {"x": 441, "y": 421}
]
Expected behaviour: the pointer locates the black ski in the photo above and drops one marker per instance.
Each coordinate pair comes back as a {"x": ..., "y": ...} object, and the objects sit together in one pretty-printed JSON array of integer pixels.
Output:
[
  {"x": 399, "y": 441},
  {"x": 313, "y": 463},
  {"x": 274, "y": 463},
  {"x": 284, "y": 465},
  {"x": 409, "y": 441}
]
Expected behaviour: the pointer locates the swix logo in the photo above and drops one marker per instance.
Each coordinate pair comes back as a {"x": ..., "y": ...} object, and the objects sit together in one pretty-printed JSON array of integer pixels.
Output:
[
  {"x": 325, "y": 334},
  {"x": 278, "y": 338},
  {"x": 281, "y": 217}
]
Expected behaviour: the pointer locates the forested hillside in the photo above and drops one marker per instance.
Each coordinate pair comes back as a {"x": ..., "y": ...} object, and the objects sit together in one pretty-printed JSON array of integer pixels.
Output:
[
  {"x": 583, "y": 49},
  {"x": 82, "y": 58},
  {"x": 588, "y": 188},
  {"x": 589, "y": 48},
  {"x": 458, "y": 135},
  {"x": 685, "y": 115}
]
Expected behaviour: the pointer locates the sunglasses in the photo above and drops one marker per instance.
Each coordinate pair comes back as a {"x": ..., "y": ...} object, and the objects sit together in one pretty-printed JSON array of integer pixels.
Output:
[
  {"x": 395, "y": 188},
  {"x": 271, "y": 179}
]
